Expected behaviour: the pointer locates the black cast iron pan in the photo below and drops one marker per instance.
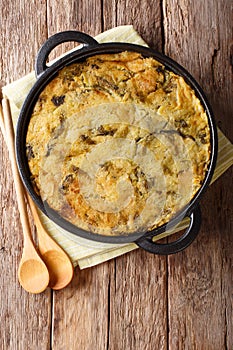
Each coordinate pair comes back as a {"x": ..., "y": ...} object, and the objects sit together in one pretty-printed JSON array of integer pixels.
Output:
[{"x": 46, "y": 73}]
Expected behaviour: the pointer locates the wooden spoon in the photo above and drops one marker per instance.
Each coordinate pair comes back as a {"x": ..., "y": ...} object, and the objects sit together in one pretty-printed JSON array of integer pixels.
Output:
[
  {"x": 57, "y": 261},
  {"x": 60, "y": 267},
  {"x": 32, "y": 272}
]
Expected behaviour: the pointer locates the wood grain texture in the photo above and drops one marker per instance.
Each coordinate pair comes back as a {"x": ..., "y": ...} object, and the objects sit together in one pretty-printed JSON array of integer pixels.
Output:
[
  {"x": 199, "y": 284},
  {"x": 21, "y": 35},
  {"x": 138, "y": 295},
  {"x": 138, "y": 289},
  {"x": 144, "y": 15},
  {"x": 25, "y": 319},
  {"x": 137, "y": 301},
  {"x": 84, "y": 16},
  {"x": 81, "y": 311}
]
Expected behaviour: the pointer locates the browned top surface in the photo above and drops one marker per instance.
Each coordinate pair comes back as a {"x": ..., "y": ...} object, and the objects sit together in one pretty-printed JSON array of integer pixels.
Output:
[{"x": 137, "y": 301}]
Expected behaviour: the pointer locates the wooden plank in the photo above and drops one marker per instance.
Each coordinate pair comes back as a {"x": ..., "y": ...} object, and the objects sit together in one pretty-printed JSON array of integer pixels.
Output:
[
  {"x": 199, "y": 284},
  {"x": 138, "y": 293},
  {"x": 84, "y": 16},
  {"x": 143, "y": 15},
  {"x": 23, "y": 316},
  {"x": 138, "y": 317},
  {"x": 80, "y": 312},
  {"x": 222, "y": 68},
  {"x": 19, "y": 27},
  {"x": 74, "y": 15},
  {"x": 96, "y": 313}
]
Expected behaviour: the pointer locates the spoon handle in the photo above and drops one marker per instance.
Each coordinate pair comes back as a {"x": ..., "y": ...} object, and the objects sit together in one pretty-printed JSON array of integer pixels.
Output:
[
  {"x": 34, "y": 212},
  {"x": 45, "y": 241},
  {"x": 9, "y": 136}
]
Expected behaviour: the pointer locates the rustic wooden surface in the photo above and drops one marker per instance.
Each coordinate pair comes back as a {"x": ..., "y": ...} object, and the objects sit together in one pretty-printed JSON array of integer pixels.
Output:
[{"x": 137, "y": 301}]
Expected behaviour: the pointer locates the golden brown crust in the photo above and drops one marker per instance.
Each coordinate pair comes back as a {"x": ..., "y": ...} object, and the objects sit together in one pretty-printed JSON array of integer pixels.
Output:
[{"x": 173, "y": 128}]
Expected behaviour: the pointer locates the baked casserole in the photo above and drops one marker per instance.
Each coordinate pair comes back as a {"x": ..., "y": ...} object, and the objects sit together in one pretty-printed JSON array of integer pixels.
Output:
[{"x": 118, "y": 144}]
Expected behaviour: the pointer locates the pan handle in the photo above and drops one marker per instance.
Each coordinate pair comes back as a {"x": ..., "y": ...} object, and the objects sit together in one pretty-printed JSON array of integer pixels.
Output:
[
  {"x": 55, "y": 40},
  {"x": 181, "y": 243}
]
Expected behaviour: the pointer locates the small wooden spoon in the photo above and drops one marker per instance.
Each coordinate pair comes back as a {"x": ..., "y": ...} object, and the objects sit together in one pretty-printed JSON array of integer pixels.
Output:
[
  {"x": 60, "y": 267},
  {"x": 57, "y": 261},
  {"x": 32, "y": 272}
]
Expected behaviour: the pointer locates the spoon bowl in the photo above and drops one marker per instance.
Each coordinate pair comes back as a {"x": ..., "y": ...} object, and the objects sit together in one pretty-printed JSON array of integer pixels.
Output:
[
  {"x": 33, "y": 275},
  {"x": 60, "y": 269},
  {"x": 59, "y": 265},
  {"x": 32, "y": 272}
]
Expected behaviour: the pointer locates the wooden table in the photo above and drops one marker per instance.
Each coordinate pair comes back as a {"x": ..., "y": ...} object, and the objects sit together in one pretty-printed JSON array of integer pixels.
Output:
[{"x": 138, "y": 301}]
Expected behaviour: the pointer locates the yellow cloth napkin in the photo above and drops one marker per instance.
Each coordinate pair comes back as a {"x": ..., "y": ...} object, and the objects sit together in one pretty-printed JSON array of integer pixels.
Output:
[{"x": 83, "y": 252}]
